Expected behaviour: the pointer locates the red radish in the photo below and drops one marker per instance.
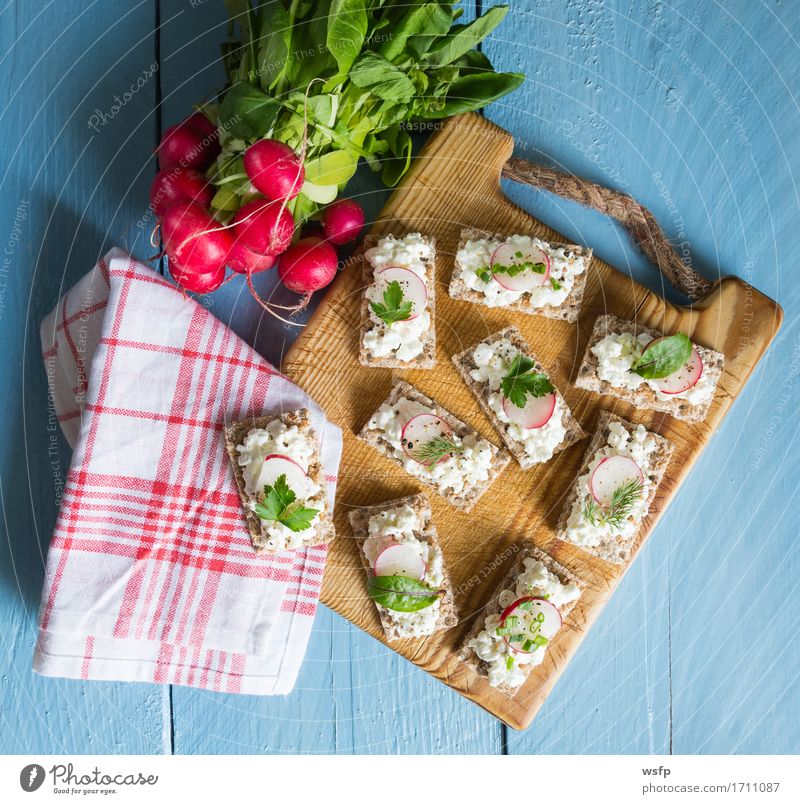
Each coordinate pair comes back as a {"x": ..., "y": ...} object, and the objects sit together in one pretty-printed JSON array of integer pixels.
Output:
[
  {"x": 413, "y": 287},
  {"x": 197, "y": 283},
  {"x": 179, "y": 184},
  {"x": 199, "y": 122},
  {"x": 686, "y": 377},
  {"x": 536, "y": 413},
  {"x": 399, "y": 559},
  {"x": 508, "y": 254},
  {"x": 194, "y": 241},
  {"x": 189, "y": 144},
  {"x": 308, "y": 265},
  {"x": 535, "y": 617},
  {"x": 244, "y": 261},
  {"x": 421, "y": 429},
  {"x": 342, "y": 221},
  {"x": 264, "y": 227},
  {"x": 276, "y": 465},
  {"x": 274, "y": 169},
  {"x": 610, "y": 474}
]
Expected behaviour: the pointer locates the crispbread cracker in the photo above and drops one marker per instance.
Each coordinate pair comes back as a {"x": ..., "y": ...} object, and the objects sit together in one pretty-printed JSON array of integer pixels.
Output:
[
  {"x": 467, "y": 655},
  {"x": 644, "y": 396},
  {"x": 359, "y": 521},
  {"x": 611, "y": 549},
  {"x": 427, "y": 359},
  {"x": 465, "y": 363},
  {"x": 467, "y": 498},
  {"x": 567, "y": 311},
  {"x": 235, "y": 434}
]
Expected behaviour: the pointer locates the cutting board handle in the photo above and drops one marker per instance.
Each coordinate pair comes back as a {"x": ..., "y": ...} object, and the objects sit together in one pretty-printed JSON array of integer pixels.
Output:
[{"x": 638, "y": 220}]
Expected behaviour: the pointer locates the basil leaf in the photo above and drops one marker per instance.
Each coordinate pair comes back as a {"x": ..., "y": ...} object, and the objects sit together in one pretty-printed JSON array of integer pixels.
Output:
[
  {"x": 246, "y": 112},
  {"x": 371, "y": 71},
  {"x": 471, "y": 92},
  {"x": 347, "y": 28},
  {"x": 465, "y": 37},
  {"x": 400, "y": 593},
  {"x": 664, "y": 357}
]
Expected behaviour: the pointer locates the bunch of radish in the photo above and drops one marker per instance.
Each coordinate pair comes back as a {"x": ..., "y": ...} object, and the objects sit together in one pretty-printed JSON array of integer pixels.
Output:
[{"x": 261, "y": 234}]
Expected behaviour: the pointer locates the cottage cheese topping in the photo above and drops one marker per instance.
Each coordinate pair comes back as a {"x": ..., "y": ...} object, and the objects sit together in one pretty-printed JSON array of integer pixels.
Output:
[
  {"x": 493, "y": 362},
  {"x": 616, "y": 354},
  {"x": 536, "y": 580},
  {"x": 450, "y": 476},
  {"x": 280, "y": 439},
  {"x": 403, "y": 339},
  {"x": 564, "y": 268},
  {"x": 639, "y": 446},
  {"x": 399, "y": 526}
]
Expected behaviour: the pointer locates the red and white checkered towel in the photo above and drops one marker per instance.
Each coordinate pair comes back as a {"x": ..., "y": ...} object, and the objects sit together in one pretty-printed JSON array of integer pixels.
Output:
[{"x": 150, "y": 573}]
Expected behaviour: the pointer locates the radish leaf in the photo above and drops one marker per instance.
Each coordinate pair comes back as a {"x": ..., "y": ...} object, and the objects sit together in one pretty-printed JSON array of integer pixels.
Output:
[
  {"x": 664, "y": 357},
  {"x": 401, "y": 593}
]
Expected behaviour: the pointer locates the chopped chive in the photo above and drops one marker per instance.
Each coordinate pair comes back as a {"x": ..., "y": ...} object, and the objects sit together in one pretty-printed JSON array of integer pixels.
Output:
[
  {"x": 540, "y": 617},
  {"x": 509, "y": 662},
  {"x": 527, "y": 645},
  {"x": 503, "y": 631},
  {"x": 512, "y": 620},
  {"x": 540, "y": 641},
  {"x": 516, "y": 637},
  {"x": 526, "y": 606}
]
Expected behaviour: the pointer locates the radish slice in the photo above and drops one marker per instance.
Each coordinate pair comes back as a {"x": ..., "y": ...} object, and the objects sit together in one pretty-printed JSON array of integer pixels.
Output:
[
  {"x": 399, "y": 559},
  {"x": 420, "y": 430},
  {"x": 413, "y": 287},
  {"x": 684, "y": 378},
  {"x": 611, "y": 473},
  {"x": 525, "y": 620},
  {"x": 276, "y": 465},
  {"x": 536, "y": 413},
  {"x": 507, "y": 254}
]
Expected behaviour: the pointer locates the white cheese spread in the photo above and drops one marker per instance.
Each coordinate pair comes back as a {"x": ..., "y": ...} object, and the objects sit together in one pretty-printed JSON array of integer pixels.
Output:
[
  {"x": 279, "y": 439},
  {"x": 639, "y": 446},
  {"x": 399, "y": 526},
  {"x": 475, "y": 255},
  {"x": 537, "y": 581},
  {"x": 617, "y": 353},
  {"x": 493, "y": 362},
  {"x": 452, "y": 475},
  {"x": 402, "y": 339}
]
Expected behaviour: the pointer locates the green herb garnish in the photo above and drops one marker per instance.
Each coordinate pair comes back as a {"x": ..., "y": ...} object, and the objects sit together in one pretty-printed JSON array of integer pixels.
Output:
[
  {"x": 663, "y": 357},
  {"x": 540, "y": 641},
  {"x": 521, "y": 380},
  {"x": 509, "y": 662},
  {"x": 401, "y": 593},
  {"x": 394, "y": 308},
  {"x": 622, "y": 502},
  {"x": 433, "y": 451},
  {"x": 278, "y": 506},
  {"x": 515, "y": 269},
  {"x": 555, "y": 284}
]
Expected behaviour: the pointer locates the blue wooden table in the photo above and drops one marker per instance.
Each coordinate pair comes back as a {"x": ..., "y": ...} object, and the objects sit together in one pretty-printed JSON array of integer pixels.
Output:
[{"x": 692, "y": 108}]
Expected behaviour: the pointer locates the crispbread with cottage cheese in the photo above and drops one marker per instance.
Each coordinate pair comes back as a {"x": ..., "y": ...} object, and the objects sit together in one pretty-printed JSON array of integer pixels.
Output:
[
  {"x": 644, "y": 396},
  {"x": 467, "y": 498},
  {"x": 425, "y": 360},
  {"x": 235, "y": 434},
  {"x": 568, "y": 310},
  {"x": 468, "y": 656},
  {"x": 611, "y": 549},
  {"x": 465, "y": 363},
  {"x": 359, "y": 521}
]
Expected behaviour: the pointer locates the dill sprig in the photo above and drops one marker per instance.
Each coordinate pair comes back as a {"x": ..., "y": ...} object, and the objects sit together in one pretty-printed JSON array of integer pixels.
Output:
[
  {"x": 433, "y": 451},
  {"x": 619, "y": 509}
]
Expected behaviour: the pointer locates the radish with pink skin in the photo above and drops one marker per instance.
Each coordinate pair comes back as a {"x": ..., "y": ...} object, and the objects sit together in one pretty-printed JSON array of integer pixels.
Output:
[
  {"x": 686, "y": 377},
  {"x": 274, "y": 169},
  {"x": 189, "y": 144},
  {"x": 535, "y": 616},
  {"x": 199, "y": 122},
  {"x": 421, "y": 429},
  {"x": 506, "y": 254},
  {"x": 244, "y": 261},
  {"x": 170, "y": 186},
  {"x": 193, "y": 240},
  {"x": 413, "y": 287},
  {"x": 399, "y": 559},
  {"x": 536, "y": 413},
  {"x": 308, "y": 265},
  {"x": 264, "y": 227},
  {"x": 276, "y": 465},
  {"x": 197, "y": 283},
  {"x": 611, "y": 474},
  {"x": 342, "y": 221}
]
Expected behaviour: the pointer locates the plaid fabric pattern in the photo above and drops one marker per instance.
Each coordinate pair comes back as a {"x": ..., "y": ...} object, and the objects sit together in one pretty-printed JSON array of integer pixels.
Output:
[{"x": 150, "y": 575}]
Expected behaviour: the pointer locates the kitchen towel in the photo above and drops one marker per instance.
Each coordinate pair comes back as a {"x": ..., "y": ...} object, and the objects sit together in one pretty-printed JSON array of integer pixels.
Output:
[{"x": 150, "y": 575}]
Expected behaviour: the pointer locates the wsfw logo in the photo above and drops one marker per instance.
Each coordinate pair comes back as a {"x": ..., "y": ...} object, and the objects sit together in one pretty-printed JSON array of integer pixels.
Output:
[{"x": 31, "y": 778}]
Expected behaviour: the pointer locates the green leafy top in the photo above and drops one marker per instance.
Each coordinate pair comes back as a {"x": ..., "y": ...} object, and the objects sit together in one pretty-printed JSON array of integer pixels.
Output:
[
  {"x": 619, "y": 509},
  {"x": 663, "y": 357},
  {"x": 394, "y": 307},
  {"x": 279, "y": 506},
  {"x": 401, "y": 593},
  {"x": 521, "y": 380}
]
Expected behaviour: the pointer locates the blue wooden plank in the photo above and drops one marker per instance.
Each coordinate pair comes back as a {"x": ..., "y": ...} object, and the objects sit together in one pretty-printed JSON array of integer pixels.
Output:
[{"x": 66, "y": 188}]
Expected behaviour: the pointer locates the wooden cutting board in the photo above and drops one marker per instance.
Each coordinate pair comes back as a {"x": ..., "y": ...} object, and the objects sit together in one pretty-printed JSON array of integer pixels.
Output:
[{"x": 455, "y": 182}]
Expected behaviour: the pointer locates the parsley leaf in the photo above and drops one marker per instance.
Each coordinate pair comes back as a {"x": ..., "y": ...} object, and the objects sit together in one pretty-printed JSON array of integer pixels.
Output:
[
  {"x": 393, "y": 307},
  {"x": 522, "y": 380},
  {"x": 278, "y": 507}
]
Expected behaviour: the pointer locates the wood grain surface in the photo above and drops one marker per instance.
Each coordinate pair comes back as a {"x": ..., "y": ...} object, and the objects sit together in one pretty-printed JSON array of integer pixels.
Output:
[{"x": 454, "y": 184}]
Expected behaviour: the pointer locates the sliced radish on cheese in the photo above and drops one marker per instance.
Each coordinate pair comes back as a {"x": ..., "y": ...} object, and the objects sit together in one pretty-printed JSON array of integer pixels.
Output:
[
  {"x": 610, "y": 474},
  {"x": 421, "y": 429},
  {"x": 413, "y": 287},
  {"x": 536, "y": 413},
  {"x": 506, "y": 255},
  {"x": 684, "y": 378},
  {"x": 529, "y": 623},
  {"x": 399, "y": 559},
  {"x": 276, "y": 465}
]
